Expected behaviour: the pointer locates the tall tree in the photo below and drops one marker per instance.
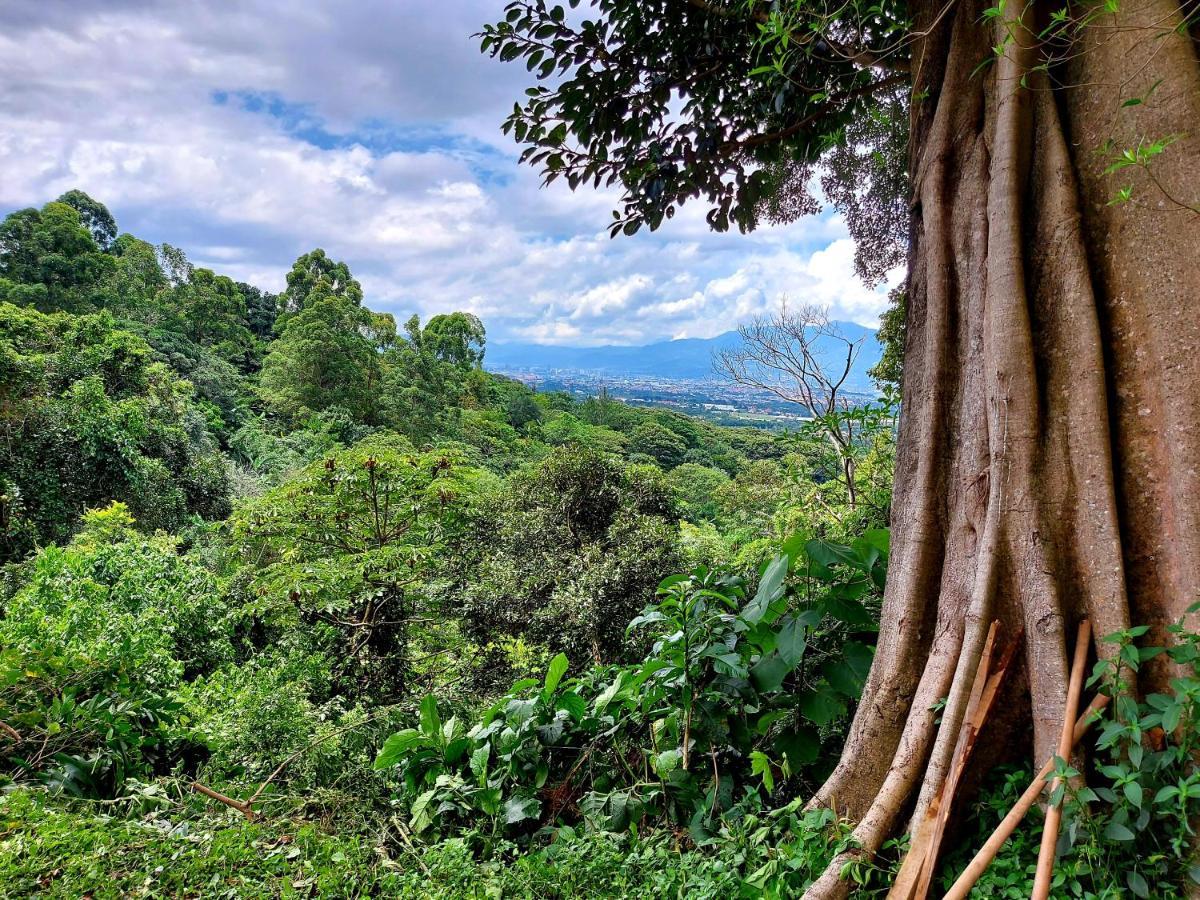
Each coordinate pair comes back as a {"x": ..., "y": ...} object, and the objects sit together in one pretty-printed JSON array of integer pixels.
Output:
[
  {"x": 432, "y": 371},
  {"x": 261, "y": 309},
  {"x": 94, "y": 216},
  {"x": 1049, "y": 451},
  {"x": 316, "y": 273},
  {"x": 48, "y": 259},
  {"x": 327, "y": 355}
]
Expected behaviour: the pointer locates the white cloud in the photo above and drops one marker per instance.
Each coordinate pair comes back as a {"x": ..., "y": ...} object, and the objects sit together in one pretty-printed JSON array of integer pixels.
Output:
[{"x": 429, "y": 206}]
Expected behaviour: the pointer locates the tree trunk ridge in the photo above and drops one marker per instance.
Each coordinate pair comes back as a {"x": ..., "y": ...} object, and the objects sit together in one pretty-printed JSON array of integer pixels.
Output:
[{"x": 1048, "y": 466}]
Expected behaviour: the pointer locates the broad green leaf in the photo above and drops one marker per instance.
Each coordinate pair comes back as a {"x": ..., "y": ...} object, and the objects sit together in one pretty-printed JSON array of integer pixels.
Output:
[
  {"x": 1137, "y": 884},
  {"x": 489, "y": 800},
  {"x": 859, "y": 658},
  {"x": 554, "y": 674},
  {"x": 397, "y": 746},
  {"x": 1133, "y": 793},
  {"x": 479, "y": 761},
  {"x": 770, "y": 589},
  {"x": 822, "y": 705},
  {"x": 827, "y": 554},
  {"x": 792, "y": 642},
  {"x": 667, "y": 762},
  {"x": 431, "y": 723},
  {"x": 518, "y": 809},
  {"x": 575, "y": 705},
  {"x": 849, "y": 611},
  {"x": 1115, "y": 831},
  {"x": 768, "y": 673},
  {"x": 420, "y": 813},
  {"x": 519, "y": 711},
  {"x": 879, "y": 538},
  {"x": 841, "y": 677},
  {"x": 800, "y": 745},
  {"x": 607, "y": 695}
]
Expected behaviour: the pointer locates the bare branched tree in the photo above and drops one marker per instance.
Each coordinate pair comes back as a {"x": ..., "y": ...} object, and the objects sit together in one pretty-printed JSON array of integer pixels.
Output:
[{"x": 799, "y": 355}]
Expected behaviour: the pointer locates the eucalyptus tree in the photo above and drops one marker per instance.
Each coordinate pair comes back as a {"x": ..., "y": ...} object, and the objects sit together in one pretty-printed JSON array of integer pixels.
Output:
[{"x": 1035, "y": 166}]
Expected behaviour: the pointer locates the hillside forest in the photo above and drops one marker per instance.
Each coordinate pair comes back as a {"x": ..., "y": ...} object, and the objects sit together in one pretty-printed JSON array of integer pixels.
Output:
[{"x": 296, "y": 600}]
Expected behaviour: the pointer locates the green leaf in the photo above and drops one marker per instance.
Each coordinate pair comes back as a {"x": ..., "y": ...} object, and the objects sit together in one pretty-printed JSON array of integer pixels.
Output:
[
  {"x": 842, "y": 677},
  {"x": 607, "y": 695},
  {"x": 822, "y": 705},
  {"x": 770, "y": 589},
  {"x": 849, "y": 611},
  {"x": 518, "y": 809},
  {"x": 799, "y": 745},
  {"x": 479, "y": 761},
  {"x": 760, "y": 764},
  {"x": 768, "y": 673},
  {"x": 397, "y": 746},
  {"x": 1166, "y": 794},
  {"x": 520, "y": 711},
  {"x": 1133, "y": 793},
  {"x": 792, "y": 641},
  {"x": 489, "y": 800},
  {"x": 554, "y": 674},
  {"x": 827, "y": 554},
  {"x": 859, "y": 658},
  {"x": 575, "y": 705},
  {"x": 1118, "y": 832},
  {"x": 421, "y": 817},
  {"x": 793, "y": 549},
  {"x": 666, "y": 762},
  {"x": 1137, "y": 884},
  {"x": 431, "y": 722}
]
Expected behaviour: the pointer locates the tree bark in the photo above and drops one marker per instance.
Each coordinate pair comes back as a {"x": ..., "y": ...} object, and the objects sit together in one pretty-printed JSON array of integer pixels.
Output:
[{"x": 1048, "y": 466}]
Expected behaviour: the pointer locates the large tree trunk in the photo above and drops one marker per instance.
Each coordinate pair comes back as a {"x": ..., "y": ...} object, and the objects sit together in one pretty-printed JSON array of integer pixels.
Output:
[{"x": 1049, "y": 457}]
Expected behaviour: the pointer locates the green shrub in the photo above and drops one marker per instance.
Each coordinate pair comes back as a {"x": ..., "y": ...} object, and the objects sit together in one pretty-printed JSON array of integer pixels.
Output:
[{"x": 94, "y": 645}]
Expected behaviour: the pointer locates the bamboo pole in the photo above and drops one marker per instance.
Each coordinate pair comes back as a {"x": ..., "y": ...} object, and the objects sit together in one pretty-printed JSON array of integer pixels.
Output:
[
  {"x": 1045, "y": 866},
  {"x": 973, "y": 726},
  {"x": 978, "y": 865},
  {"x": 912, "y": 881}
]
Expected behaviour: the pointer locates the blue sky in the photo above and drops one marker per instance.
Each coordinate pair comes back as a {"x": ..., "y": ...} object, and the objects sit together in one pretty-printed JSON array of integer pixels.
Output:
[{"x": 250, "y": 132}]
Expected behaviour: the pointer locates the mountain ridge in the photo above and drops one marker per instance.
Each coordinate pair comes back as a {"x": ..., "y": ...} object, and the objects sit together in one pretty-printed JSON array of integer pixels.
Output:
[{"x": 687, "y": 359}]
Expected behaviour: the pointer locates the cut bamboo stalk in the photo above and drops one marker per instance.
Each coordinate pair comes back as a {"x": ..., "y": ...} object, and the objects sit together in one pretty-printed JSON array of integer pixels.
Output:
[
  {"x": 974, "y": 725},
  {"x": 1045, "y": 866},
  {"x": 916, "y": 873},
  {"x": 244, "y": 808},
  {"x": 978, "y": 865}
]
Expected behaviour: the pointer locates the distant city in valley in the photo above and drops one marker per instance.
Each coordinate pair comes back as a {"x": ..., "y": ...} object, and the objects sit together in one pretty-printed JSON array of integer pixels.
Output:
[{"x": 673, "y": 374}]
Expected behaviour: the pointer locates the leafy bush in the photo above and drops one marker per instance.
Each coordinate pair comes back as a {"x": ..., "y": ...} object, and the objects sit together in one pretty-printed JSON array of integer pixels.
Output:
[
  {"x": 349, "y": 552},
  {"x": 571, "y": 553},
  {"x": 1128, "y": 826},
  {"x": 680, "y": 737},
  {"x": 94, "y": 645}
]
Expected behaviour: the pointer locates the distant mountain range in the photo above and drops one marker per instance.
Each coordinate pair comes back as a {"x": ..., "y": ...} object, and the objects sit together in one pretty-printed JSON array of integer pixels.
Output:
[{"x": 688, "y": 359}]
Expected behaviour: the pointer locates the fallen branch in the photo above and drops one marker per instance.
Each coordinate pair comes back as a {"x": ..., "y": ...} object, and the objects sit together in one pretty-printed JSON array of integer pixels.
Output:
[
  {"x": 1017, "y": 814},
  {"x": 244, "y": 808},
  {"x": 11, "y": 732},
  {"x": 1045, "y": 866}
]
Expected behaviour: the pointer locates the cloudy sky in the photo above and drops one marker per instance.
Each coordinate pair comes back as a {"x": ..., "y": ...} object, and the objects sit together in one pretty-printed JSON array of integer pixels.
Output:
[{"x": 250, "y": 132}]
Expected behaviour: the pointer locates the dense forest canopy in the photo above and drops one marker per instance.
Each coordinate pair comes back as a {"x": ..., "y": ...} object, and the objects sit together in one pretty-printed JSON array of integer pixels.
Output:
[{"x": 295, "y": 579}]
